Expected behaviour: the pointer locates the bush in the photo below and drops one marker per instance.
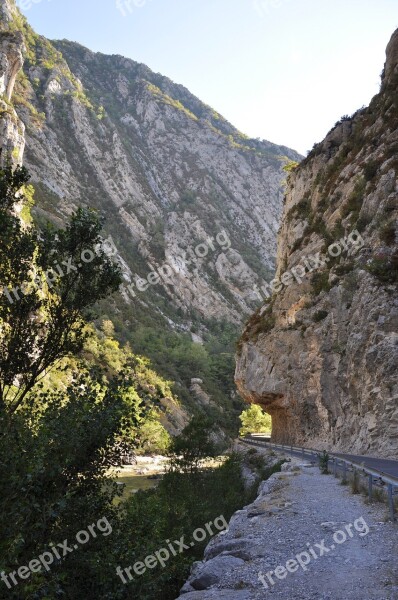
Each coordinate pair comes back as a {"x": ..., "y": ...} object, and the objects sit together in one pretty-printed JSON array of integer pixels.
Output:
[
  {"x": 385, "y": 269},
  {"x": 344, "y": 268},
  {"x": 324, "y": 462},
  {"x": 320, "y": 315},
  {"x": 257, "y": 324},
  {"x": 302, "y": 210},
  {"x": 387, "y": 233},
  {"x": 355, "y": 201},
  {"x": 363, "y": 222},
  {"x": 355, "y": 483},
  {"x": 188, "y": 198},
  {"x": 370, "y": 169},
  {"x": 182, "y": 503},
  {"x": 320, "y": 283}
]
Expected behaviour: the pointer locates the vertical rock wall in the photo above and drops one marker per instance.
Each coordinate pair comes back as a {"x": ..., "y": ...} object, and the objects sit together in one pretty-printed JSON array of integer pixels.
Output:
[{"x": 322, "y": 354}]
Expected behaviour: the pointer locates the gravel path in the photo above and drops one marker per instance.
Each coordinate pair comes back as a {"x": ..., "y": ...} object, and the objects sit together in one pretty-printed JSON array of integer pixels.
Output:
[{"x": 295, "y": 512}]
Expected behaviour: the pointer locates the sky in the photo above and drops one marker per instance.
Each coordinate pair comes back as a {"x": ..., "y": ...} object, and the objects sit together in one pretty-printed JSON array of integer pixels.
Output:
[{"x": 280, "y": 70}]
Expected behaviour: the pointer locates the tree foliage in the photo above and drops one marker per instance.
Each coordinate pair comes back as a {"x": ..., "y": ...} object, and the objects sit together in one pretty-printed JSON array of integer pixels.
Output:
[
  {"x": 47, "y": 285},
  {"x": 255, "y": 420}
]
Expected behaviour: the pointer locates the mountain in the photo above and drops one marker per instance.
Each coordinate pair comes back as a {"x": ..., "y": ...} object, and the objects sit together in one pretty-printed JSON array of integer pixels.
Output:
[
  {"x": 321, "y": 354},
  {"x": 192, "y": 205}
]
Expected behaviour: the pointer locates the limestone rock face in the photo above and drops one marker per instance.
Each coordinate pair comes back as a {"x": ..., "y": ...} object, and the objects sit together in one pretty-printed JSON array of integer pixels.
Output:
[
  {"x": 11, "y": 61},
  {"x": 11, "y": 127},
  {"x": 321, "y": 356},
  {"x": 179, "y": 185},
  {"x": 8, "y": 10}
]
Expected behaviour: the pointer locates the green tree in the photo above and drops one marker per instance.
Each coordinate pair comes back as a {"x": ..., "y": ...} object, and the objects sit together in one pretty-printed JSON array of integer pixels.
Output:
[
  {"x": 60, "y": 443},
  {"x": 48, "y": 283},
  {"x": 151, "y": 435},
  {"x": 255, "y": 420},
  {"x": 194, "y": 445}
]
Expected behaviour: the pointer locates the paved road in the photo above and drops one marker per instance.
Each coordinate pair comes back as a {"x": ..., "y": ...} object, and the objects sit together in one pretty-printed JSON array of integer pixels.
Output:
[{"x": 389, "y": 467}]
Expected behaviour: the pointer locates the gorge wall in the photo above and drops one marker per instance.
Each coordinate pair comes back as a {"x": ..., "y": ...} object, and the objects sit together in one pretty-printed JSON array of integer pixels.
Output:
[
  {"x": 321, "y": 355},
  {"x": 167, "y": 170},
  {"x": 183, "y": 193}
]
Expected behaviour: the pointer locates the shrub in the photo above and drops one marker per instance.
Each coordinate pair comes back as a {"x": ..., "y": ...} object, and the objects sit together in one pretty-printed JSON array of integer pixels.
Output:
[
  {"x": 338, "y": 230},
  {"x": 302, "y": 210},
  {"x": 385, "y": 269},
  {"x": 371, "y": 169},
  {"x": 188, "y": 198},
  {"x": 320, "y": 283},
  {"x": 320, "y": 315},
  {"x": 363, "y": 222},
  {"x": 387, "y": 233},
  {"x": 344, "y": 268},
  {"x": 324, "y": 462},
  {"x": 355, "y": 483},
  {"x": 258, "y": 324},
  {"x": 355, "y": 201}
]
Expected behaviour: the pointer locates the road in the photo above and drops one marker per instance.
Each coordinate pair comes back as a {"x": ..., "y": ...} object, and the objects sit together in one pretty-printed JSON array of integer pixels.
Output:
[{"x": 389, "y": 467}]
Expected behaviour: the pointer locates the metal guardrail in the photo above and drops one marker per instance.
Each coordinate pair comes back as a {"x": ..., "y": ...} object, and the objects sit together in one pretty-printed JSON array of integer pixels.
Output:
[{"x": 375, "y": 477}]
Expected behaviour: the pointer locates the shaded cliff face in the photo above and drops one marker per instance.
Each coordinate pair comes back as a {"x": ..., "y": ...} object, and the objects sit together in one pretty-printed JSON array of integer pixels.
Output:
[{"x": 321, "y": 355}]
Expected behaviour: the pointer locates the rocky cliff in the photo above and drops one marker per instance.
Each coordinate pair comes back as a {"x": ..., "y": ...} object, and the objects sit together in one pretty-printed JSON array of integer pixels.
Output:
[
  {"x": 192, "y": 205},
  {"x": 12, "y": 48},
  {"x": 169, "y": 172},
  {"x": 321, "y": 354}
]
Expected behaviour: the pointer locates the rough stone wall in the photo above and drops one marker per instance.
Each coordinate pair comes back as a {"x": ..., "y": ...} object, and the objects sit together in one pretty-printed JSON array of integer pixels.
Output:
[{"x": 321, "y": 356}]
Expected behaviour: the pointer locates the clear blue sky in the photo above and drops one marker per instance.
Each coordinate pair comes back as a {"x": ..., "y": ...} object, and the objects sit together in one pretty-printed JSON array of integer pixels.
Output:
[{"x": 283, "y": 70}]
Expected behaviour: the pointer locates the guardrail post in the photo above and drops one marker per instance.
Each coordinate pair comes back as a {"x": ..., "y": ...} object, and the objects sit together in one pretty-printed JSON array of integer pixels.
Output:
[
  {"x": 370, "y": 487},
  {"x": 302, "y": 450},
  {"x": 391, "y": 501},
  {"x": 344, "y": 472},
  {"x": 335, "y": 467}
]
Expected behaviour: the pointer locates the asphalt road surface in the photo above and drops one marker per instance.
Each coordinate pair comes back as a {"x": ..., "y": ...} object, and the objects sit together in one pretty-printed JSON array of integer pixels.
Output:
[{"x": 389, "y": 467}]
